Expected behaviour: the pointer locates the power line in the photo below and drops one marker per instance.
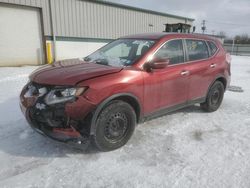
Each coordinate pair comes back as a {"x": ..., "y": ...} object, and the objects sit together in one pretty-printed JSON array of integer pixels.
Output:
[{"x": 228, "y": 23}]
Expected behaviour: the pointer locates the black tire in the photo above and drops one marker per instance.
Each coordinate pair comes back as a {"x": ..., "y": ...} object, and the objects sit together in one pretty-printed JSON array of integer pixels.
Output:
[
  {"x": 114, "y": 126},
  {"x": 214, "y": 97}
]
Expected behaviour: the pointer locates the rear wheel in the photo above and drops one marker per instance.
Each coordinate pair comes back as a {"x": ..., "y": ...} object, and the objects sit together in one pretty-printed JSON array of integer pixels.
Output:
[
  {"x": 214, "y": 97},
  {"x": 114, "y": 126}
]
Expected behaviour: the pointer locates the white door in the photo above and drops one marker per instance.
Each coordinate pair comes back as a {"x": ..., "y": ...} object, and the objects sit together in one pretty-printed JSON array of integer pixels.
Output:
[{"x": 20, "y": 36}]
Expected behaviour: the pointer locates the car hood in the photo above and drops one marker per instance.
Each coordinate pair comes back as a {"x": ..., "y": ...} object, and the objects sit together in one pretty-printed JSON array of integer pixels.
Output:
[{"x": 70, "y": 72}]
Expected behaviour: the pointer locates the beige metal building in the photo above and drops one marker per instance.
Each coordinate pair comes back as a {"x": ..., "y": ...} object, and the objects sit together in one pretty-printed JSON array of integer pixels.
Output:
[{"x": 75, "y": 28}]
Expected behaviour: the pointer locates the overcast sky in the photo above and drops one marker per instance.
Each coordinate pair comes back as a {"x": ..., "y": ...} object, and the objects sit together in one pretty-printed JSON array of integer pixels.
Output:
[{"x": 231, "y": 16}]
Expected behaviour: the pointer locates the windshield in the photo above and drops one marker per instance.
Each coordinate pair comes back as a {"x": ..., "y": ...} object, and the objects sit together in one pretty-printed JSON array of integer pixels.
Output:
[{"x": 121, "y": 52}]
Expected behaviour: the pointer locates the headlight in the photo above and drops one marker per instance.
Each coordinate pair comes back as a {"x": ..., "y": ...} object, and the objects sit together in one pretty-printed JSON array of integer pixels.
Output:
[{"x": 61, "y": 95}]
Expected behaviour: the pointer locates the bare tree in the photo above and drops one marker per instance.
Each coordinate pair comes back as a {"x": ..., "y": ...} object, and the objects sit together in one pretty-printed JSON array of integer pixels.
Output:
[
  {"x": 222, "y": 34},
  {"x": 242, "y": 39}
]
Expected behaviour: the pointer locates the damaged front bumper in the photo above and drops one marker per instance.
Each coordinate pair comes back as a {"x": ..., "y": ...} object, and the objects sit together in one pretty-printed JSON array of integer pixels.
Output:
[{"x": 65, "y": 122}]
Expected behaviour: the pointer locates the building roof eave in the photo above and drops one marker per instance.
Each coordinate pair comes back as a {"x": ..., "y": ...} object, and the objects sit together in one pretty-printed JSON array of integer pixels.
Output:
[{"x": 138, "y": 9}]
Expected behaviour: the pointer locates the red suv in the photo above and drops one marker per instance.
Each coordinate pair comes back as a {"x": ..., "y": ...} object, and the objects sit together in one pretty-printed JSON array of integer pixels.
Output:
[{"x": 102, "y": 96}]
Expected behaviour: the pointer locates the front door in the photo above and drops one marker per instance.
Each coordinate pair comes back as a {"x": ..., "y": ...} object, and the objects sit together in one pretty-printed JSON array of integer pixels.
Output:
[{"x": 169, "y": 86}]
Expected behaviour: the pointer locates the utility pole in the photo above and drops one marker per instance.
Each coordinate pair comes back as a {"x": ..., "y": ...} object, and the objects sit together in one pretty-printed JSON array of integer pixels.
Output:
[{"x": 203, "y": 26}]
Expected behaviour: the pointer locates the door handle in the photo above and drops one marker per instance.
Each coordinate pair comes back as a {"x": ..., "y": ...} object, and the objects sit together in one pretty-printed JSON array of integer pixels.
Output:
[
  {"x": 183, "y": 73},
  {"x": 213, "y": 65}
]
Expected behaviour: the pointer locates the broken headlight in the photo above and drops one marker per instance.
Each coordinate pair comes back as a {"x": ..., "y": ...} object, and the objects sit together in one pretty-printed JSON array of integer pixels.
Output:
[{"x": 60, "y": 95}]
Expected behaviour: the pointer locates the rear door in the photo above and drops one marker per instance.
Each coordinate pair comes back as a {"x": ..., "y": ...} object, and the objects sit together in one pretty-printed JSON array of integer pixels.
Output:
[{"x": 201, "y": 67}]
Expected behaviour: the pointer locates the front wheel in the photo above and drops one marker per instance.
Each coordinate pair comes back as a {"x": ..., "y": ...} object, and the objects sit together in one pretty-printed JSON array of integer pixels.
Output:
[
  {"x": 114, "y": 125},
  {"x": 214, "y": 97}
]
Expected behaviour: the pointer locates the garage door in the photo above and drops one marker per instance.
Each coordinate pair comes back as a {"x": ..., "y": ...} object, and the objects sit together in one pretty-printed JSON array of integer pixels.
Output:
[{"x": 20, "y": 36}]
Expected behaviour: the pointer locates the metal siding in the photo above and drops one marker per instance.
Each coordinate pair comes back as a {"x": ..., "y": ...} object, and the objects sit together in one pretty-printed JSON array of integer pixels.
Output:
[
  {"x": 85, "y": 19},
  {"x": 74, "y": 18},
  {"x": 95, "y": 27},
  {"x": 78, "y": 22},
  {"x": 58, "y": 17},
  {"x": 65, "y": 29},
  {"x": 81, "y": 14}
]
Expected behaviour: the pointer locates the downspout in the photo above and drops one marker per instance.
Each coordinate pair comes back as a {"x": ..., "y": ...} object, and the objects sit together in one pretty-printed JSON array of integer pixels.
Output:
[{"x": 53, "y": 32}]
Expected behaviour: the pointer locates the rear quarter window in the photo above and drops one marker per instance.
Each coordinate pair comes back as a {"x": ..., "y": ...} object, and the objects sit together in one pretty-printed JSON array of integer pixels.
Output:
[{"x": 213, "y": 47}]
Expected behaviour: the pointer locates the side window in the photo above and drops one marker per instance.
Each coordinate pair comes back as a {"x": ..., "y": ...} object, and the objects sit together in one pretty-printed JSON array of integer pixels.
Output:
[
  {"x": 197, "y": 49},
  {"x": 213, "y": 47},
  {"x": 172, "y": 50}
]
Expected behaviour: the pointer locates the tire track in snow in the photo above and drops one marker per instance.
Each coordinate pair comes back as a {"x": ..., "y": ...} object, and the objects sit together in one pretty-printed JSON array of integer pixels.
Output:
[{"x": 21, "y": 169}]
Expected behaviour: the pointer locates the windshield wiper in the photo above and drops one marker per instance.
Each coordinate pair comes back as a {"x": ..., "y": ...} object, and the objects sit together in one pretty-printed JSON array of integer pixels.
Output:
[
  {"x": 86, "y": 59},
  {"x": 102, "y": 62},
  {"x": 98, "y": 61}
]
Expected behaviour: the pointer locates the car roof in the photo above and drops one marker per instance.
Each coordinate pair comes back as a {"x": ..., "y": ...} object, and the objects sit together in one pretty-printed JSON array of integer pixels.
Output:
[{"x": 160, "y": 35}]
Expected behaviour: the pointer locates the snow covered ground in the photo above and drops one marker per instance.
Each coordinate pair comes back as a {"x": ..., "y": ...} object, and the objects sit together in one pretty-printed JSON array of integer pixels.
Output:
[{"x": 187, "y": 148}]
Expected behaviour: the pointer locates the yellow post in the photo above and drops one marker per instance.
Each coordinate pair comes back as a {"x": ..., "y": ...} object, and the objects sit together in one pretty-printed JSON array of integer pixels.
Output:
[{"x": 49, "y": 53}]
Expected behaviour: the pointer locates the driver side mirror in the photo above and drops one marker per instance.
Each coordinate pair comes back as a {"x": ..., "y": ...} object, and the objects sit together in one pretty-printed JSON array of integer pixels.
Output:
[{"x": 157, "y": 63}]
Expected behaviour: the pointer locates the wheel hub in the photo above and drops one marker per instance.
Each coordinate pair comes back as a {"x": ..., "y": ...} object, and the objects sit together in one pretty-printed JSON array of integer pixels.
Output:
[
  {"x": 215, "y": 97},
  {"x": 116, "y": 127}
]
